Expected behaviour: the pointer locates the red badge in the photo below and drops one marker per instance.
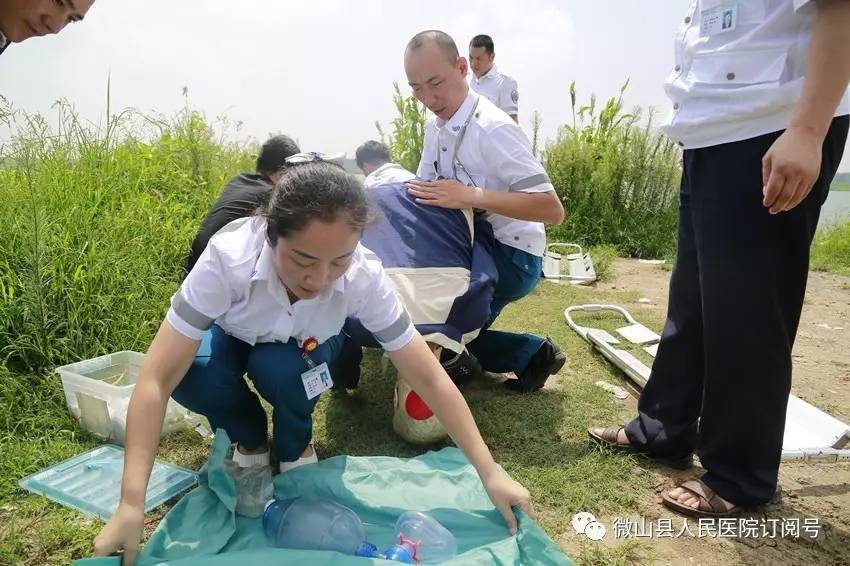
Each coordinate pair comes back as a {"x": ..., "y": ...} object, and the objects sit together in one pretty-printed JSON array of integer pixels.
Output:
[{"x": 310, "y": 344}]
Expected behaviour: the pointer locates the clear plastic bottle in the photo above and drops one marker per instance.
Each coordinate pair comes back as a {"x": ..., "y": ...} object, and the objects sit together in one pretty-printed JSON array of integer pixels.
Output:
[
  {"x": 421, "y": 539},
  {"x": 316, "y": 524}
]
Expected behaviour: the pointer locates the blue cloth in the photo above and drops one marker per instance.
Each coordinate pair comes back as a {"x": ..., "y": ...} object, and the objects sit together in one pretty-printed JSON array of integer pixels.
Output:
[
  {"x": 215, "y": 387},
  {"x": 412, "y": 236},
  {"x": 499, "y": 351},
  {"x": 203, "y": 529}
]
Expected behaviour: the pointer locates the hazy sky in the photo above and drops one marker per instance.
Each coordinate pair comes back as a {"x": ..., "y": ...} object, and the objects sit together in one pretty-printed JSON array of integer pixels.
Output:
[{"x": 322, "y": 71}]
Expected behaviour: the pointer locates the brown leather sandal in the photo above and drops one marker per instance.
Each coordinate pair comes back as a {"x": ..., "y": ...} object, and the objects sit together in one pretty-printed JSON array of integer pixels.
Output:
[
  {"x": 710, "y": 504},
  {"x": 609, "y": 438}
]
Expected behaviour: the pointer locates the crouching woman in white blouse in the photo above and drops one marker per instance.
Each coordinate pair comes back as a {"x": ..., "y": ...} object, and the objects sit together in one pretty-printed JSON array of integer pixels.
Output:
[{"x": 268, "y": 297}]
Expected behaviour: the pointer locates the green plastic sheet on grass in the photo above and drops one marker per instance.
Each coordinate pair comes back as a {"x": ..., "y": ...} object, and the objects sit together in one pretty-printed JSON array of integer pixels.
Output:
[{"x": 203, "y": 529}]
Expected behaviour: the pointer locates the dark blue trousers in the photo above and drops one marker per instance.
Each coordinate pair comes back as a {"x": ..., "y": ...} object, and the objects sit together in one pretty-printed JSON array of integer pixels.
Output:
[
  {"x": 721, "y": 380},
  {"x": 496, "y": 350},
  {"x": 215, "y": 387}
]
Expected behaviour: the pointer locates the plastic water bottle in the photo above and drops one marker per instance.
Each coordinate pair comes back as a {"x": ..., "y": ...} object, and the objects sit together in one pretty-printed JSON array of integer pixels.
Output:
[
  {"x": 316, "y": 524},
  {"x": 319, "y": 524},
  {"x": 421, "y": 539}
]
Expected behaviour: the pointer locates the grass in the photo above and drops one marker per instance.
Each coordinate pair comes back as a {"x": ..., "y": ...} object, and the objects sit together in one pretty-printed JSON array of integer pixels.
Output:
[
  {"x": 407, "y": 137},
  {"x": 97, "y": 223},
  {"x": 840, "y": 187},
  {"x": 618, "y": 178},
  {"x": 96, "y": 226},
  {"x": 540, "y": 439},
  {"x": 630, "y": 553},
  {"x": 831, "y": 250}
]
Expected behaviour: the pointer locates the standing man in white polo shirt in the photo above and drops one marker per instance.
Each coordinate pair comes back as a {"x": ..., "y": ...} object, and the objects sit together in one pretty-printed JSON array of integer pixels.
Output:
[
  {"x": 475, "y": 156},
  {"x": 761, "y": 110},
  {"x": 486, "y": 80}
]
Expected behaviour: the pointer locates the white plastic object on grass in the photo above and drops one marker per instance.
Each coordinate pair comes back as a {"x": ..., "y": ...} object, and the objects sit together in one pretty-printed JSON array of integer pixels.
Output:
[
  {"x": 98, "y": 390},
  {"x": 580, "y": 269}
]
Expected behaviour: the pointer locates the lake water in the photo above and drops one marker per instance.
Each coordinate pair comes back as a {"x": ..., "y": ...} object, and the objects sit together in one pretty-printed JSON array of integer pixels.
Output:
[{"x": 836, "y": 209}]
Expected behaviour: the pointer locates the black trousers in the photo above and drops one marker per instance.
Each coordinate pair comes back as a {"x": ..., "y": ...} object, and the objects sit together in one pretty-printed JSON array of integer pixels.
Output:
[{"x": 721, "y": 379}]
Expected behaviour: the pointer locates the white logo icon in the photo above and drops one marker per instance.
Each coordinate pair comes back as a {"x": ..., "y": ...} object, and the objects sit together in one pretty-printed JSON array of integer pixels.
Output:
[
  {"x": 595, "y": 530},
  {"x": 586, "y": 524}
]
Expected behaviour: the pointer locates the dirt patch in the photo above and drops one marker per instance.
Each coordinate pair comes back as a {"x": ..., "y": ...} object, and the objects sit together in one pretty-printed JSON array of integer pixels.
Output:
[{"x": 813, "y": 494}]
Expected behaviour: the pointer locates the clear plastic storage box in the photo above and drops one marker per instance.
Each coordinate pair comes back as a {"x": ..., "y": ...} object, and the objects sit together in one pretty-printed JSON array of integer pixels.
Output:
[
  {"x": 98, "y": 392},
  {"x": 91, "y": 482}
]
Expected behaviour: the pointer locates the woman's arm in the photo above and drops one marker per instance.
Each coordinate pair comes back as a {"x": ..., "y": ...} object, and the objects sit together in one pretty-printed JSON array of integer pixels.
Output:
[
  {"x": 168, "y": 359},
  {"x": 428, "y": 378}
]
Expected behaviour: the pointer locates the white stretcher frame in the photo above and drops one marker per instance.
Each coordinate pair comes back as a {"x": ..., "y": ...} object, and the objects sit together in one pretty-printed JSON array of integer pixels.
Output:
[
  {"x": 580, "y": 265},
  {"x": 810, "y": 433}
]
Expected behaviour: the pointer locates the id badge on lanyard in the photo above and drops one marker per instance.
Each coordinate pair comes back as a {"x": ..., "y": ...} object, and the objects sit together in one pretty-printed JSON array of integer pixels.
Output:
[
  {"x": 717, "y": 16},
  {"x": 317, "y": 379}
]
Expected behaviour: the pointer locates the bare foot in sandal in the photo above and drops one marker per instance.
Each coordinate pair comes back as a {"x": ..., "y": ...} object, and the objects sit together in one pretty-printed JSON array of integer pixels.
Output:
[
  {"x": 611, "y": 435},
  {"x": 696, "y": 498},
  {"x": 615, "y": 437}
]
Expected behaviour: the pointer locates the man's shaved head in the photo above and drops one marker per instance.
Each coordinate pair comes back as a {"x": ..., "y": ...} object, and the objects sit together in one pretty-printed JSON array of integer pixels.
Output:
[
  {"x": 436, "y": 72},
  {"x": 443, "y": 40}
]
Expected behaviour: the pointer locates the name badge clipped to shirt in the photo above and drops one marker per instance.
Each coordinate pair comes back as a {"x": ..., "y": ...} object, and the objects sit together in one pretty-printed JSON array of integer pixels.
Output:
[
  {"x": 717, "y": 17},
  {"x": 317, "y": 379}
]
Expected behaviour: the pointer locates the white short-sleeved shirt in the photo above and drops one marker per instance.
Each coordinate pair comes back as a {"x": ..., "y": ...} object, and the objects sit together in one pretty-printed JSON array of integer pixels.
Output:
[
  {"x": 234, "y": 284},
  {"x": 498, "y": 88},
  {"x": 387, "y": 173},
  {"x": 743, "y": 82},
  {"x": 495, "y": 155}
]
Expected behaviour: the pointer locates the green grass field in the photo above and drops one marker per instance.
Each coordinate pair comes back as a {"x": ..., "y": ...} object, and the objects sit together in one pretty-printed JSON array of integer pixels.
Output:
[
  {"x": 96, "y": 227},
  {"x": 831, "y": 250},
  {"x": 539, "y": 439}
]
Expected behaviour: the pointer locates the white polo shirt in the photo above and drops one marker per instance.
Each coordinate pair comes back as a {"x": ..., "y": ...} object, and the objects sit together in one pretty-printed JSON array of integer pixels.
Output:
[
  {"x": 386, "y": 174},
  {"x": 234, "y": 284},
  {"x": 495, "y": 155},
  {"x": 498, "y": 88},
  {"x": 735, "y": 82}
]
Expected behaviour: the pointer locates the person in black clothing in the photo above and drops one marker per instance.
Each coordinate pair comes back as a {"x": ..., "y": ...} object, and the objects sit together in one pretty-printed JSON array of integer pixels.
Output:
[{"x": 244, "y": 193}]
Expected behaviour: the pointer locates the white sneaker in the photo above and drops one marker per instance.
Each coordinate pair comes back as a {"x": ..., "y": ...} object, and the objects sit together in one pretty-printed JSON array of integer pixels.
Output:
[
  {"x": 311, "y": 459},
  {"x": 249, "y": 460}
]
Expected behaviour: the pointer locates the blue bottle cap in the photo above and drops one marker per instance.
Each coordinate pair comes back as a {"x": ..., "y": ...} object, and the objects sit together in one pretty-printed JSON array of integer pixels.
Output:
[
  {"x": 367, "y": 550},
  {"x": 399, "y": 553}
]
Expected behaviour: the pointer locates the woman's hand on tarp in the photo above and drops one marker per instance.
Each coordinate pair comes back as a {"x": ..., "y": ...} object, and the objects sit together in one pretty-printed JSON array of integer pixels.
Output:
[
  {"x": 507, "y": 494},
  {"x": 122, "y": 532}
]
